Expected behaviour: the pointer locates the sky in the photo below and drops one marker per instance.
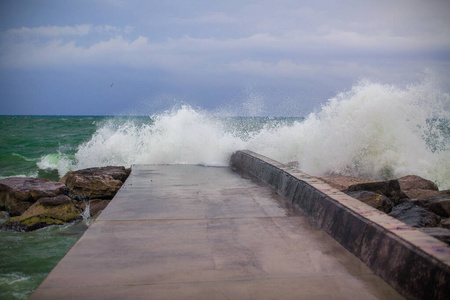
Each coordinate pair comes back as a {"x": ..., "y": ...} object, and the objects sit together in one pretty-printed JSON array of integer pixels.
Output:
[{"x": 279, "y": 58}]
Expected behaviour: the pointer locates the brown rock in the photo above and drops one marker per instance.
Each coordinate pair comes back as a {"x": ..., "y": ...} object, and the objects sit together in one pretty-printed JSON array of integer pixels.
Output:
[
  {"x": 416, "y": 182},
  {"x": 436, "y": 204},
  {"x": 342, "y": 183},
  {"x": 17, "y": 194},
  {"x": 375, "y": 200},
  {"x": 45, "y": 212},
  {"x": 390, "y": 189},
  {"x": 420, "y": 193},
  {"x": 417, "y": 187},
  {"x": 102, "y": 183},
  {"x": 98, "y": 205},
  {"x": 414, "y": 215},
  {"x": 444, "y": 193}
]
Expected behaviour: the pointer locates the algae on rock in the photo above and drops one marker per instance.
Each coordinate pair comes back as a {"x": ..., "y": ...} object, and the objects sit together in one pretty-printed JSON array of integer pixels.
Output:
[{"x": 45, "y": 212}]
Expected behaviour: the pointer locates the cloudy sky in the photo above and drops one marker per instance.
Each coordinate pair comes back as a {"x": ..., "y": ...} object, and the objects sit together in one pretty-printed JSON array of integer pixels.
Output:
[{"x": 280, "y": 57}]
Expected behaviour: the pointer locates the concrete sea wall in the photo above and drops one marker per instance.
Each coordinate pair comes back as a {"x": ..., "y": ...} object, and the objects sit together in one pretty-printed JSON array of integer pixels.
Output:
[{"x": 415, "y": 264}]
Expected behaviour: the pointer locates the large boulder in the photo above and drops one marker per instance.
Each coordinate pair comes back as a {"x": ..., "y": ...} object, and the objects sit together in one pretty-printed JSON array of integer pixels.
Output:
[
  {"x": 414, "y": 215},
  {"x": 45, "y": 212},
  {"x": 411, "y": 182},
  {"x": 417, "y": 187},
  {"x": 17, "y": 194},
  {"x": 375, "y": 200},
  {"x": 390, "y": 189},
  {"x": 439, "y": 205},
  {"x": 99, "y": 183}
]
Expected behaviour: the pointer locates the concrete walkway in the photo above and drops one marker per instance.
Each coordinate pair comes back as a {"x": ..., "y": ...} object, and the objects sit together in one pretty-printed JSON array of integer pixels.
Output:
[{"x": 193, "y": 232}]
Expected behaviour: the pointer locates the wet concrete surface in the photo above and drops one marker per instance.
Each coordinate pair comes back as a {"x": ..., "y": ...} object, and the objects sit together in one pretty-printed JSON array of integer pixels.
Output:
[
  {"x": 414, "y": 263},
  {"x": 194, "y": 232}
]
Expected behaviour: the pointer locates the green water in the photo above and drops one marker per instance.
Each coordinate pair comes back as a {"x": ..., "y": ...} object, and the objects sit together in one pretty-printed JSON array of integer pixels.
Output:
[
  {"x": 24, "y": 141},
  {"x": 28, "y": 257}
]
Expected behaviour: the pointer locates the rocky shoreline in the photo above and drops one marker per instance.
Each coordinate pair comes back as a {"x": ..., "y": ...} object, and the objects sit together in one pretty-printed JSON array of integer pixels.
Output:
[
  {"x": 416, "y": 201},
  {"x": 33, "y": 203}
]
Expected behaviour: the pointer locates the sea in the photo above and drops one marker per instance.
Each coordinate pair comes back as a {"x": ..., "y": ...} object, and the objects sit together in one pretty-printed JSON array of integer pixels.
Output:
[{"x": 373, "y": 130}]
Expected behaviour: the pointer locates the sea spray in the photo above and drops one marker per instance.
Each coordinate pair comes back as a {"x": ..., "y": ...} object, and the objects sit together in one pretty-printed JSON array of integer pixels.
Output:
[
  {"x": 86, "y": 214},
  {"x": 373, "y": 130},
  {"x": 60, "y": 161},
  {"x": 182, "y": 136}
]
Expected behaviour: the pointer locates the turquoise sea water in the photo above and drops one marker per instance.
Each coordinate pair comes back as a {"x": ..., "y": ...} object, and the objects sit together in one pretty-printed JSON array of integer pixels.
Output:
[
  {"x": 27, "y": 257},
  {"x": 25, "y": 140}
]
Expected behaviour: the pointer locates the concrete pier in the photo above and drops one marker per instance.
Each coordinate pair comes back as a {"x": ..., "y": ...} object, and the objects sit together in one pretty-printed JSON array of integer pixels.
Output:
[
  {"x": 193, "y": 232},
  {"x": 416, "y": 264}
]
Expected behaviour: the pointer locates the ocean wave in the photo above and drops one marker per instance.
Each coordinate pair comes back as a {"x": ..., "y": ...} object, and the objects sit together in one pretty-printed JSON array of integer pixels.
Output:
[
  {"x": 23, "y": 157},
  {"x": 59, "y": 161},
  {"x": 373, "y": 130},
  {"x": 30, "y": 174},
  {"x": 181, "y": 136}
]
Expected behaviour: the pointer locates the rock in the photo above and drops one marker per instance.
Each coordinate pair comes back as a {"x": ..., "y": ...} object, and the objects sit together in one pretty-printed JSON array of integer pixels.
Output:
[
  {"x": 436, "y": 204},
  {"x": 444, "y": 193},
  {"x": 441, "y": 234},
  {"x": 417, "y": 187},
  {"x": 101, "y": 183},
  {"x": 414, "y": 215},
  {"x": 375, "y": 200},
  {"x": 97, "y": 206},
  {"x": 416, "y": 182},
  {"x": 420, "y": 193},
  {"x": 390, "y": 189},
  {"x": 445, "y": 223},
  {"x": 17, "y": 194},
  {"x": 342, "y": 183},
  {"x": 3, "y": 215},
  {"x": 45, "y": 212}
]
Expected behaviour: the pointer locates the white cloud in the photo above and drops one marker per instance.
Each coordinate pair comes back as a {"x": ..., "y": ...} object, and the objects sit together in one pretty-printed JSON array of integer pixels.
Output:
[
  {"x": 290, "y": 54},
  {"x": 52, "y": 32},
  {"x": 288, "y": 41},
  {"x": 207, "y": 18},
  {"x": 49, "y": 31}
]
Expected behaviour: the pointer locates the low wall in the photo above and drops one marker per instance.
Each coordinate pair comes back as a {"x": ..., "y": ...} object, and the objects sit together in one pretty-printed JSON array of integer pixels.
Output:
[{"x": 414, "y": 263}]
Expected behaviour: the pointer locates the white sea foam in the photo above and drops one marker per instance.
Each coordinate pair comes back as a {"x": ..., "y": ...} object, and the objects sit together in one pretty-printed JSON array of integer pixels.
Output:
[
  {"x": 374, "y": 130},
  {"x": 59, "y": 161},
  {"x": 181, "y": 136}
]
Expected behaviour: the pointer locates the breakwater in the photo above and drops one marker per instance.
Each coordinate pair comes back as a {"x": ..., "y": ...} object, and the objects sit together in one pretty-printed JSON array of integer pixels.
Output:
[
  {"x": 195, "y": 232},
  {"x": 415, "y": 264}
]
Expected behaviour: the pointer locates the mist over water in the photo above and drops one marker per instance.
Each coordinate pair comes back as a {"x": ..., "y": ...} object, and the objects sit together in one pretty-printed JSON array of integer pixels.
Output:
[{"x": 373, "y": 130}]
